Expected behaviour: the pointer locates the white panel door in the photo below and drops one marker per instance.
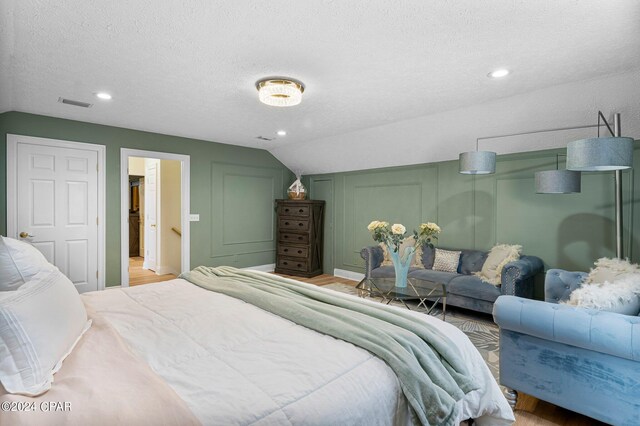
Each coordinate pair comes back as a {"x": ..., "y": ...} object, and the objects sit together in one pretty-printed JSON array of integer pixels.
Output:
[
  {"x": 150, "y": 214},
  {"x": 57, "y": 206}
]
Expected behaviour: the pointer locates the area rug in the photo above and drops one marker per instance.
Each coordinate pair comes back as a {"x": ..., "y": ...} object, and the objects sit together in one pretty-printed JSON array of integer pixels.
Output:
[{"x": 480, "y": 329}]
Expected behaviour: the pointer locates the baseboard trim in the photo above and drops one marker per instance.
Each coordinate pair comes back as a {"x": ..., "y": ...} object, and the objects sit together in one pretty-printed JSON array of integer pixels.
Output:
[
  {"x": 350, "y": 275},
  {"x": 164, "y": 270},
  {"x": 262, "y": 268}
]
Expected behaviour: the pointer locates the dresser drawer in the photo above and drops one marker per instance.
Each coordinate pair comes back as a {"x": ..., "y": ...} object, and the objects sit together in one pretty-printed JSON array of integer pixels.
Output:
[
  {"x": 286, "y": 237},
  {"x": 293, "y": 264},
  {"x": 294, "y": 251},
  {"x": 294, "y": 224},
  {"x": 293, "y": 210}
]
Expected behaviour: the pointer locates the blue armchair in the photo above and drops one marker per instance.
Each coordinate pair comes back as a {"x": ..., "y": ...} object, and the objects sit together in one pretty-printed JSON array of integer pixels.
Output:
[{"x": 581, "y": 359}]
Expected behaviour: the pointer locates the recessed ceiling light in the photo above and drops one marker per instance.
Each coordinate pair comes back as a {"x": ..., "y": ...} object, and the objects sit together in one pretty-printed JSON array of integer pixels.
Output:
[
  {"x": 103, "y": 95},
  {"x": 282, "y": 133},
  {"x": 498, "y": 73}
]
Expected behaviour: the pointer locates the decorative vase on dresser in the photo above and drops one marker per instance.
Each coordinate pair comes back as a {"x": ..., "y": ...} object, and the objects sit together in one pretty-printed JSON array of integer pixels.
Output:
[{"x": 299, "y": 237}]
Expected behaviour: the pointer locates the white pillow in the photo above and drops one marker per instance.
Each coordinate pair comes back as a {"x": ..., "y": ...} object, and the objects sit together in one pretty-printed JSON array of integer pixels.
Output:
[
  {"x": 19, "y": 261},
  {"x": 40, "y": 323},
  {"x": 621, "y": 296}
]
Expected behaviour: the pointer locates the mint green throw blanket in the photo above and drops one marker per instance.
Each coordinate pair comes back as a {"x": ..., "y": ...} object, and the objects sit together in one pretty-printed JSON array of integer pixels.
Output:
[{"x": 428, "y": 365}]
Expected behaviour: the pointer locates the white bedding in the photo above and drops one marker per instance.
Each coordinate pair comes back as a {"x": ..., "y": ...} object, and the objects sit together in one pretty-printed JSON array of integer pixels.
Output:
[{"x": 233, "y": 363}]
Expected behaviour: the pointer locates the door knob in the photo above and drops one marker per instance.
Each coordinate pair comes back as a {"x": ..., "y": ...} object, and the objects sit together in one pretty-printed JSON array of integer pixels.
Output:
[
  {"x": 153, "y": 225},
  {"x": 25, "y": 235}
]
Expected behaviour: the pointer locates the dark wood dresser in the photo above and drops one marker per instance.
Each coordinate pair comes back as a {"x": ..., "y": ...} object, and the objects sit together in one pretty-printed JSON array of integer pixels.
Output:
[{"x": 299, "y": 237}]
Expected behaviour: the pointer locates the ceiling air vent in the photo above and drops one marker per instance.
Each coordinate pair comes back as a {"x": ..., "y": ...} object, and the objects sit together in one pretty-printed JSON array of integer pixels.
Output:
[
  {"x": 262, "y": 138},
  {"x": 74, "y": 103}
]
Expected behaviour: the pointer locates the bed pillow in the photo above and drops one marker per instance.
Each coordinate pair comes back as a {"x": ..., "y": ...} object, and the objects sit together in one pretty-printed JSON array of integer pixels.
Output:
[
  {"x": 407, "y": 242},
  {"x": 40, "y": 323},
  {"x": 609, "y": 270},
  {"x": 497, "y": 259},
  {"x": 19, "y": 261},
  {"x": 621, "y": 296},
  {"x": 446, "y": 260}
]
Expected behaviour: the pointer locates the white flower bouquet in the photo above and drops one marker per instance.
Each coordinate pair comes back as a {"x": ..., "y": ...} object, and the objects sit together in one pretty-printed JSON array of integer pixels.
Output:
[{"x": 392, "y": 236}]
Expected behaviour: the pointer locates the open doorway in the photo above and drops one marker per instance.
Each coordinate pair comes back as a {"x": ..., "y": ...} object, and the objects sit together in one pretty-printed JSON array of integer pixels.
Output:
[{"x": 155, "y": 217}]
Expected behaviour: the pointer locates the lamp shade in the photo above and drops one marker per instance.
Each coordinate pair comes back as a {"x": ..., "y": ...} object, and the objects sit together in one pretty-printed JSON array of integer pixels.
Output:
[
  {"x": 558, "y": 182},
  {"x": 600, "y": 154},
  {"x": 477, "y": 163}
]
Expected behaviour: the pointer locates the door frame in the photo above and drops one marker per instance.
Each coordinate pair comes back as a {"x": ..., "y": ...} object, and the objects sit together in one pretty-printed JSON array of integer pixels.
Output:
[
  {"x": 12, "y": 188},
  {"x": 185, "y": 206}
]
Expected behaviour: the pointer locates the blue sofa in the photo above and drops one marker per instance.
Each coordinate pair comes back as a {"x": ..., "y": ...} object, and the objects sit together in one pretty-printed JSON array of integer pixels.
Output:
[
  {"x": 464, "y": 289},
  {"x": 581, "y": 359}
]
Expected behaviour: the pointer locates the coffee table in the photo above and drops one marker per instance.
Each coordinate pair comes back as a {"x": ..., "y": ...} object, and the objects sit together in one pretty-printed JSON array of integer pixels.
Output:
[{"x": 416, "y": 289}]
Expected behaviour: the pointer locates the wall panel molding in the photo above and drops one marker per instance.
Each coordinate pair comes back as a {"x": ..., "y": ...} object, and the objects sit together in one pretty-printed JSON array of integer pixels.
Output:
[
  {"x": 243, "y": 209},
  {"x": 566, "y": 231}
]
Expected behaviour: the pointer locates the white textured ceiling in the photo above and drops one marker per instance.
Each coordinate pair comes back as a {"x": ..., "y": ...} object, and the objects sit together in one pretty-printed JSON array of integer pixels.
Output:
[{"x": 188, "y": 68}]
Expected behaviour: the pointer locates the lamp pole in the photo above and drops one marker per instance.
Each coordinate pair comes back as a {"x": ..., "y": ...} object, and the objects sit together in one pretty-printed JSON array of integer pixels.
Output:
[{"x": 618, "y": 182}]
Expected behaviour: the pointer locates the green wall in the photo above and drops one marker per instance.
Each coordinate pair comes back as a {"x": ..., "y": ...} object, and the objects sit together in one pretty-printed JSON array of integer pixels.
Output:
[
  {"x": 232, "y": 188},
  {"x": 566, "y": 231}
]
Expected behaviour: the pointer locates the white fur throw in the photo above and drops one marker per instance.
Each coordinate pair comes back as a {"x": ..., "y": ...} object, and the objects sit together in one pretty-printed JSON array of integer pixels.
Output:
[
  {"x": 497, "y": 259},
  {"x": 609, "y": 270},
  {"x": 621, "y": 296}
]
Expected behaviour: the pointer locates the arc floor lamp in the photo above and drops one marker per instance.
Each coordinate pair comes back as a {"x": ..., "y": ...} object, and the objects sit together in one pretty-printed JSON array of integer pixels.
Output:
[
  {"x": 597, "y": 154},
  {"x": 605, "y": 154}
]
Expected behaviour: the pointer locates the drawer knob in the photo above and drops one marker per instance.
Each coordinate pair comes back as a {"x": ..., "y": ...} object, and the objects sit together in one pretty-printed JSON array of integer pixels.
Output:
[
  {"x": 286, "y": 210},
  {"x": 286, "y": 250},
  {"x": 300, "y": 224},
  {"x": 300, "y": 238},
  {"x": 299, "y": 251},
  {"x": 286, "y": 236},
  {"x": 299, "y": 265},
  {"x": 300, "y": 211},
  {"x": 286, "y": 223},
  {"x": 285, "y": 263}
]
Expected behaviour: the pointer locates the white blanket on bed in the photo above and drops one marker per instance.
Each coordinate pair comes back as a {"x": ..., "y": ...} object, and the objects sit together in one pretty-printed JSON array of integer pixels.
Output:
[{"x": 233, "y": 363}]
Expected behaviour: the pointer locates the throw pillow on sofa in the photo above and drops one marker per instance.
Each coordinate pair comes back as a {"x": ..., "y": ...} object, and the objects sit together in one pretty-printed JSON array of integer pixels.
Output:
[
  {"x": 407, "y": 242},
  {"x": 446, "y": 260},
  {"x": 609, "y": 270},
  {"x": 497, "y": 259},
  {"x": 621, "y": 296}
]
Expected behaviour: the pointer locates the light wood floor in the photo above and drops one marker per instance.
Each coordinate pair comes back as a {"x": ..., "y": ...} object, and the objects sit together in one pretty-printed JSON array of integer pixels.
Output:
[
  {"x": 530, "y": 411},
  {"x": 138, "y": 275}
]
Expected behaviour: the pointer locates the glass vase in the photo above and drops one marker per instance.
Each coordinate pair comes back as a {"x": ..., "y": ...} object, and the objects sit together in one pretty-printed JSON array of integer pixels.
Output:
[{"x": 402, "y": 263}]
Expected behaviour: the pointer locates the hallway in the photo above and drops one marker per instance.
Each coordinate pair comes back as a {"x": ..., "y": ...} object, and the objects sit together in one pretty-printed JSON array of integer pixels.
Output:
[{"x": 138, "y": 275}]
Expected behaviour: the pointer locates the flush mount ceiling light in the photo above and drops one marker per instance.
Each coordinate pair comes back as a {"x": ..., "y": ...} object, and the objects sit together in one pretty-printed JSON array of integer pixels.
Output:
[
  {"x": 282, "y": 133},
  {"x": 498, "y": 73},
  {"x": 280, "y": 92},
  {"x": 103, "y": 95}
]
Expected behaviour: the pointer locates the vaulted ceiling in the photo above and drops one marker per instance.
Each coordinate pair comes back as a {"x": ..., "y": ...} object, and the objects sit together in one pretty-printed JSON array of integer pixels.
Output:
[{"x": 189, "y": 68}]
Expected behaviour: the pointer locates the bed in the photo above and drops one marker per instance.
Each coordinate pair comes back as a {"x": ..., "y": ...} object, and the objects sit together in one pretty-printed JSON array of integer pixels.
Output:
[{"x": 176, "y": 353}]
